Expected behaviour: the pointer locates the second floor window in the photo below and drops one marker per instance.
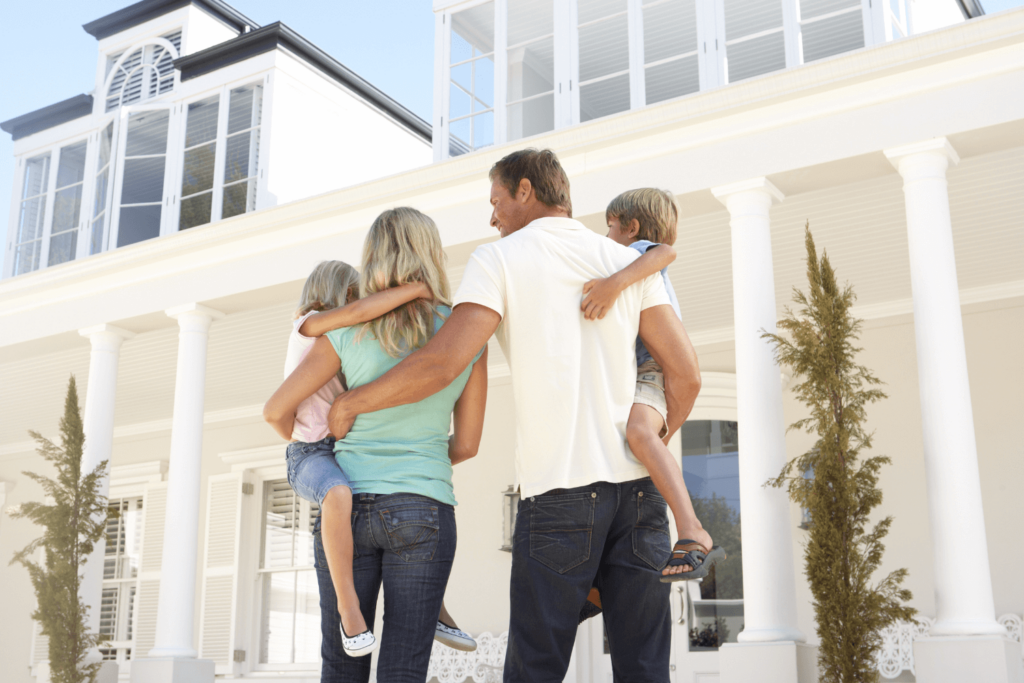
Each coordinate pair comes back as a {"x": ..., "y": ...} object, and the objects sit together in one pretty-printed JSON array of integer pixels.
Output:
[
  {"x": 520, "y": 68},
  {"x": 143, "y": 73}
]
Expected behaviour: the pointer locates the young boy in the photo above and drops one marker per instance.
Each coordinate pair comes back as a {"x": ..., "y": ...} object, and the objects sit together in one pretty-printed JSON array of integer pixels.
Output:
[{"x": 646, "y": 220}]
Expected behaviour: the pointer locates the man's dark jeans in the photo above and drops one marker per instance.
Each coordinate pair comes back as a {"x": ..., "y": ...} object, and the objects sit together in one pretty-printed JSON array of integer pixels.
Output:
[
  {"x": 407, "y": 542},
  {"x": 612, "y": 536}
]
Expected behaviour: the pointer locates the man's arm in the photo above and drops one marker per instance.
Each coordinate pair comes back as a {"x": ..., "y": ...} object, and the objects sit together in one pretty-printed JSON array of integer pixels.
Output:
[
  {"x": 600, "y": 294},
  {"x": 424, "y": 372},
  {"x": 666, "y": 339}
]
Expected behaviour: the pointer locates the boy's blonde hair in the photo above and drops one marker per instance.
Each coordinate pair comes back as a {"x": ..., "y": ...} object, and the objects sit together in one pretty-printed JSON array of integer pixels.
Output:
[
  {"x": 655, "y": 210},
  {"x": 330, "y": 285},
  {"x": 404, "y": 246}
]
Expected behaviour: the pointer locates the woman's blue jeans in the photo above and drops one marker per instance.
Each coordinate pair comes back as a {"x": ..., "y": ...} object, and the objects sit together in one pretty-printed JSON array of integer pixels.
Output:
[{"x": 407, "y": 542}]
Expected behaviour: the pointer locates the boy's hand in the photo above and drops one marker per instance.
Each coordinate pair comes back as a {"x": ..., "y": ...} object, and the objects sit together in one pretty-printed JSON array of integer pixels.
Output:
[{"x": 599, "y": 296}]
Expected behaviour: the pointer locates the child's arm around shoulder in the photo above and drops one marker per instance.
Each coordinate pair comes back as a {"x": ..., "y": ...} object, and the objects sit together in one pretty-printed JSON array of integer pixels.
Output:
[
  {"x": 599, "y": 295},
  {"x": 363, "y": 310}
]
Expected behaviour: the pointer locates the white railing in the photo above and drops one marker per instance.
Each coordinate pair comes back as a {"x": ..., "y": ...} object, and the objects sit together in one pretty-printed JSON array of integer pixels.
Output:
[
  {"x": 484, "y": 665},
  {"x": 897, "y": 654}
]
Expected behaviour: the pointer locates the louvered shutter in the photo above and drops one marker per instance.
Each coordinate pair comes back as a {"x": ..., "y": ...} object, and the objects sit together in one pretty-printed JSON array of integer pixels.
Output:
[
  {"x": 154, "y": 508},
  {"x": 40, "y": 650},
  {"x": 219, "y": 635}
]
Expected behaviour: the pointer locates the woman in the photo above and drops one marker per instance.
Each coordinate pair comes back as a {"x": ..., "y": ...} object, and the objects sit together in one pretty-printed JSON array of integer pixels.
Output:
[{"x": 398, "y": 461}]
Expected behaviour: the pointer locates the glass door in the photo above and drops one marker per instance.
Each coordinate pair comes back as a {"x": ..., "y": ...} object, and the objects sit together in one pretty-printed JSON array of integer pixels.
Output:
[{"x": 144, "y": 186}]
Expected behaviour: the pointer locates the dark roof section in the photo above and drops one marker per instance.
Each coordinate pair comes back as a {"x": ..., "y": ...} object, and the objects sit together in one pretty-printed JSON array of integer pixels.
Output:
[
  {"x": 140, "y": 12},
  {"x": 277, "y": 35},
  {"x": 48, "y": 117},
  {"x": 971, "y": 8}
]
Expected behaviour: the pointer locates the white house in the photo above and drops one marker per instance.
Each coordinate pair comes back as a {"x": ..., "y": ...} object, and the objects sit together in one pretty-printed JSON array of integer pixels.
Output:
[{"x": 896, "y": 127}]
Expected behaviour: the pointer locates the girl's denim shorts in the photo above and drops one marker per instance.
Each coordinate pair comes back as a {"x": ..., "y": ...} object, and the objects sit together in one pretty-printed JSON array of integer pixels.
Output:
[{"x": 312, "y": 469}]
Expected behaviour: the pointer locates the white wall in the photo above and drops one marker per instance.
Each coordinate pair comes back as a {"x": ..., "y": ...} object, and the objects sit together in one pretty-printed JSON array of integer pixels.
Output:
[{"x": 323, "y": 138}]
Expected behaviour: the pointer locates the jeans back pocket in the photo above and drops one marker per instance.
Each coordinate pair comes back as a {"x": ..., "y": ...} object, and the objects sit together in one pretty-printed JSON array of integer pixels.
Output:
[
  {"x": 651, "y": 542},
  {"x": 412, "y": 531},
  {"x": 561, "y": 529}
]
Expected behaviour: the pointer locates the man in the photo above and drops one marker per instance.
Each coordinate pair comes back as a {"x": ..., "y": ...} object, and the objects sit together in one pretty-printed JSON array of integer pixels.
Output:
[{"x": 589, "y": 515}]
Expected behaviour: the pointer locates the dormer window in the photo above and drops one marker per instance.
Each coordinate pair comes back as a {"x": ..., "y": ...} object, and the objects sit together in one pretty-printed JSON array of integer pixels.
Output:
[{"x": 144, "y": 72}]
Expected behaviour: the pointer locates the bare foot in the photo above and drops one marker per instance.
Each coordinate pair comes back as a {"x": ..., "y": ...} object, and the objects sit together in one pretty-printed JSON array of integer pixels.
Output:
[
  {"x": 700, "y": 536},
  {"x": 352, "y": 620}
]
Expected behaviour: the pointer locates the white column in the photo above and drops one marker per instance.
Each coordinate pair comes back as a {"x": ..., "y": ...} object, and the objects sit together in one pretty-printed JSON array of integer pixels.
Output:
[
  {"x": 176, "y": 607},
  {"x": 963, "y": 584},
  {"x": 98, "y": 424},
  {"x": 770, "y": 632}
]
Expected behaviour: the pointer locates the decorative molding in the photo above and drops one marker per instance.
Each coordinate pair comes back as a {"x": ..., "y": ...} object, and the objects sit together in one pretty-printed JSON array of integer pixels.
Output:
[
  {"x": 152, "y": 472},
  {"x": 483, "y": 665},
  {"x": 255, "y": 458},
  {"x": 179, "y": 311},
  {"x": 723, "y": 192},
  {"x": 897, "y": 652},
  {"x": 940, "y": 144},
  {"x": 140, "y": 12},
  {"x": 48, "y": 117},
  {"x": 105, "y": 327}
]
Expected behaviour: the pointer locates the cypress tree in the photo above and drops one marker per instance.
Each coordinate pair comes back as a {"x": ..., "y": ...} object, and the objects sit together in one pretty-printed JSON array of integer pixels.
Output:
[
  {"x": 843, "y": 550},
  {"x": 72, "y": 525}
]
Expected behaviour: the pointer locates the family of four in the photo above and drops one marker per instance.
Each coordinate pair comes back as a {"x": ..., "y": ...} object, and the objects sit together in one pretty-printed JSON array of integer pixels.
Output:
[{"x": 385, "y": 390}]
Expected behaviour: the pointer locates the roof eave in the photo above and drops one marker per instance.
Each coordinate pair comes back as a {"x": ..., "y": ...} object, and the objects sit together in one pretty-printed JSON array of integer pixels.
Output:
[
  {"x": 48, "y": 117},
  {"x": 143, "y": 11}
]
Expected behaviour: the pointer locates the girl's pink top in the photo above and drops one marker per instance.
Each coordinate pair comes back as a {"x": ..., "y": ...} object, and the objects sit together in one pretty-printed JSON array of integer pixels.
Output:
[{"x": 311, "y": 415}]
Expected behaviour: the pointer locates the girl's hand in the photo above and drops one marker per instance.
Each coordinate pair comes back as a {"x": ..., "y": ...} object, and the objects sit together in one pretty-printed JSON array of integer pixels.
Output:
[
  {"x": 424, "y": 291},
  {"x": 599, "y": 296}
]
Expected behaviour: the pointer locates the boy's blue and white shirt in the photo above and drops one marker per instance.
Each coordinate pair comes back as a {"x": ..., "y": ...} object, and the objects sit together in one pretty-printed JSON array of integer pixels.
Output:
[{"x": 642, "y": 355}]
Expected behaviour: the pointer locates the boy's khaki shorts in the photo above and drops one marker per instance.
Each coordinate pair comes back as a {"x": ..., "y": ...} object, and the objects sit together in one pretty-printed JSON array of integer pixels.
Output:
[{"x": 650, "y": 391}]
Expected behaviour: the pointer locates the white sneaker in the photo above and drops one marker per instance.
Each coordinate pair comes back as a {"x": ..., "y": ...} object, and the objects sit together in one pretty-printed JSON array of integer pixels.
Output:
[
  {"x": 454, "y": 638},
  {"x": 360, "y": 644}
]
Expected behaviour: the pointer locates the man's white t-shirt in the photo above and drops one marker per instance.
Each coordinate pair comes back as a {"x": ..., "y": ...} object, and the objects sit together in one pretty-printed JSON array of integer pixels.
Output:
[{"x": 573, "y": 379}]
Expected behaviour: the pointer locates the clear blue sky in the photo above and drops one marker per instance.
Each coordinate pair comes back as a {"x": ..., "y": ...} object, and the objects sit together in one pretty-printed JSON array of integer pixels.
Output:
[{"x": 47, "y": 57}]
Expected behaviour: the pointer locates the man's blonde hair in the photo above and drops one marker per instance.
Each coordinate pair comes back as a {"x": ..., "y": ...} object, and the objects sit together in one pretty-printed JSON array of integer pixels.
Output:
[
  {"x": 404, "y": 246},
  {"x": 655, "y": 210},
  {"x": 330, "y": 285}
]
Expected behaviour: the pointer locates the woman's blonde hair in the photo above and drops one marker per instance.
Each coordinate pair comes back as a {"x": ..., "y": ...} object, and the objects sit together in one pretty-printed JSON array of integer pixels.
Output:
[
  {"x": 330, "y": 285},
  {"x": 404, "y": 246}
]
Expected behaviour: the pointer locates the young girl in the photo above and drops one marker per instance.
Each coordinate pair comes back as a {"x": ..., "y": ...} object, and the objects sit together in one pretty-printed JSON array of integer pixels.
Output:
[
  {"x": 646, "y": 220},
  {"x": 328, "y": 302}
]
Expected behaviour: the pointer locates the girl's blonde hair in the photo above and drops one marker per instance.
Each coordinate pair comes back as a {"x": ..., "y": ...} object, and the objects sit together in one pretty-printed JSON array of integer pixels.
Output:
[
  {"x": 330, "y": 285},
  {"x": 404, "y": 246}
]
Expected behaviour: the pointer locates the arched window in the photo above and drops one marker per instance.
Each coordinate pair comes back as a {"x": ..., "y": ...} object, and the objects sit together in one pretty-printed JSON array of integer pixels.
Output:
[{"x": 143, "y": 72}]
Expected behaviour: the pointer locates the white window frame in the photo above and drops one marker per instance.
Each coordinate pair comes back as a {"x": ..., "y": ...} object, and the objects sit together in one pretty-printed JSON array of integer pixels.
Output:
[
  {"x": 108, "y": 78},
  {"x": 50, "y": 194},
  {"x": 125, "y": 609},
  {"x": 711, "y": 55},
  {"x": 91, "y": 173}
]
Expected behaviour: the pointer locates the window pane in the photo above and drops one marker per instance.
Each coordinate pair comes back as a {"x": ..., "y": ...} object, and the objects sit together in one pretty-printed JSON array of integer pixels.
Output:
[
  {"x": 530, "y": 19},
  {"x": 747, "y": 17},
  {"x": 670, "y": 29},
  {"x": 291, "y": 618},
  {"x": 242, "y": 155},
  {"x": 815, "y": 8},
  {"x": 138, "y": 223},
  {"x": 147, "y": 133},
  {"x": 710, "y": 452},
  {"x": 755, "y": 57},
  {"x": 672, "y": 79},
  {"x": 62, "y": 248},
  {"x": 591, "y": 10},
  {"x": 71, "y": 168},
  {"x": 460, "y": 133},
  {"x": 100, "y": 200},
  {"x": 195, "y": 211},
  {"x": 531, "y": 117},
  {"x": 143, "y": 180},
  {"x": 458, "y": 99},
  {"x": 239, "y": 198},
  {"x": 108, "y": 612},
  {"x": 472, "y": 32},
  {"x": 37, "y": 176},
  {"x": 106, "y": 139},
  {"x": 197, "y": 169},
  {"x": 531, "y": 69},
  {"x": 604, "y": 97},
  {"x": 96, "y": 243},
  {"x": 245, "y": 107},
  {"x": 483, "y": 130},
  {"x": 26, "y": 257},
  {"x": 201, "y": 124},
  {"x": 833, "y": 36},
  {"x": 67, "y": 206},
  {"x": 604, "y": 46},
  {"x": 30, "y": 225}
]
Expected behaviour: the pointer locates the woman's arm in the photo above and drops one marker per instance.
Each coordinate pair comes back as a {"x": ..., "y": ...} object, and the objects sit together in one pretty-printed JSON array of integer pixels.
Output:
[
  {"x": 469, "y": 414},
  {"x": 600, "y": 294},
  {"x": 363, "y": 310},
  {"x": 315, "y": 370}
]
